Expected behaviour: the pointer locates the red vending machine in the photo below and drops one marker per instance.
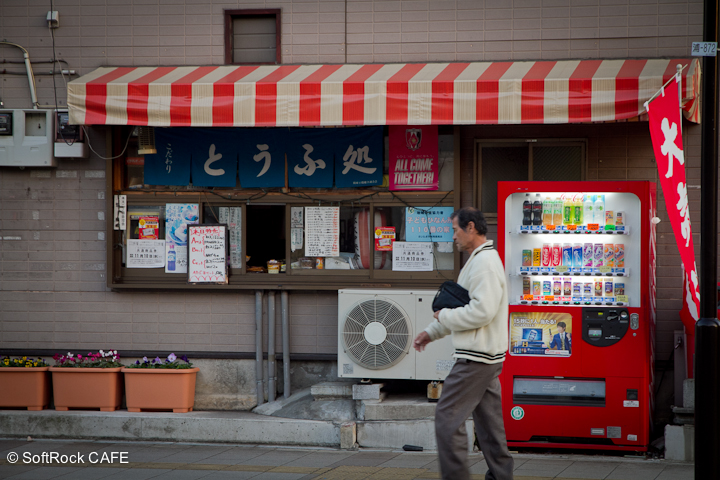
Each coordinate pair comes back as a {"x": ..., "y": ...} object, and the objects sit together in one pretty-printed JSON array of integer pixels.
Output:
[{"x": 580, "y": 264}]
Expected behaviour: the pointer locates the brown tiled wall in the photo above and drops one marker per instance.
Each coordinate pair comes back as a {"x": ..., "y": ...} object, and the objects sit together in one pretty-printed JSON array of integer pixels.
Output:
[{"x": 52, "y": 280}]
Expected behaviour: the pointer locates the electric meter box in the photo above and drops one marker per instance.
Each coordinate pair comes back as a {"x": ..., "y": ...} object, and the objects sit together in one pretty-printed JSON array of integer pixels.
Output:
[
  {"x": 69, "y": 139},
  {"x": 27, "y": 139}
]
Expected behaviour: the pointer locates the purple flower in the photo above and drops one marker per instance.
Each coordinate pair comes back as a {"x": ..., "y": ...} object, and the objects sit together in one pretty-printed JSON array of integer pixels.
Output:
[
  {"x": 185, "y": 359},
  {"x": 137, "y": 362},
  {"x": 157, "y": 360},
  {"x": 145, "y": 360},
  {"x": 171, "y": 357}
]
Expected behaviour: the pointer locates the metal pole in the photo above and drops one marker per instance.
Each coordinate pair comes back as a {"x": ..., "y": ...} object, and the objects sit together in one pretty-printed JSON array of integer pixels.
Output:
[
  {"x": 707, "y": 329},
  {"x": 259, "y": 348},
  {"x": 271, "y": 347},
  {"x": 286, "y": 343}
]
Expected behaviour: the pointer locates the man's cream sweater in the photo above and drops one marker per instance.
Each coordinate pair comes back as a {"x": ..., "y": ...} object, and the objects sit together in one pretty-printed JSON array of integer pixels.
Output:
[{"x": 480, "y": 328}]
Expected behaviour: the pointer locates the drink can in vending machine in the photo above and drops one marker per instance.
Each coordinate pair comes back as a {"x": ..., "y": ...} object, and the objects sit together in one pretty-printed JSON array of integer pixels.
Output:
[
  {"x": 567, "y": 287},
  {"x": 546, "y": 287},
  {"x": 619, "y": 288},
  {"x": 598, "y": 255},
  {"x": 587, "y": 255},
  {"x": 567, "y": 255},
  {"x": 577, "y": 289},
  {"x": 609, "y": 255},
  {"x": 608, "y": 288},
  {"x": 526, "y": 285},
  {"x": 587, "y": 289},
  {"x": 537, "y": 257},
  {"x": 598, "y": 288},
  {"x": 546, "y": 255},
  {"x": 556, "y": 255},
  {"x": 609, "y": 217},
  {"x": 557, "y": 286},
  {"x": 577, "y": 255},
  {"x": 527, "y": 258},
  {"x": 619, "y": 255},
  {"x": 619, "y": 219},
  {"x": 536, "y": 288}
]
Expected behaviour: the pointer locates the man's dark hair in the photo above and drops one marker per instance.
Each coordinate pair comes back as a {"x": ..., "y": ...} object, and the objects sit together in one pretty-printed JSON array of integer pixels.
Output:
[
  {"x": 470, "y": 214},
  {"x": 561, "y": 324}
]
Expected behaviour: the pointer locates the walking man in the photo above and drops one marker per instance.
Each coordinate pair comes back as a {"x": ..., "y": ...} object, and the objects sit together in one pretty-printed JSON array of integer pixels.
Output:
[{"x": 480, "y": 337}]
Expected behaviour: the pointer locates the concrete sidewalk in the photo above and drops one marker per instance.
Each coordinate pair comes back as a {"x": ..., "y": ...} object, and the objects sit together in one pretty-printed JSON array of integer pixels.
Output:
[{"x": 186, "y": 461}]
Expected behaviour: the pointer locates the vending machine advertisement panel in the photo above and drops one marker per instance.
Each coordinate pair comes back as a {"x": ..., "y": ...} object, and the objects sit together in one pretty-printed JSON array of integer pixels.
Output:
[{"x": 580, "y": 264}]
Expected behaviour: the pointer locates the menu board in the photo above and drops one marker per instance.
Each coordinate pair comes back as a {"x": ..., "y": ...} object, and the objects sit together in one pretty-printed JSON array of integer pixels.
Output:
[
  {"x": 322, "y": 231},
  {"x": 207, "y": 254}
]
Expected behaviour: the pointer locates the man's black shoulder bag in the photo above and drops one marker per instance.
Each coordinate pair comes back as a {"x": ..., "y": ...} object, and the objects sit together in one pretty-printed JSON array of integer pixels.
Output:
[{"x": 450, "y": 295}]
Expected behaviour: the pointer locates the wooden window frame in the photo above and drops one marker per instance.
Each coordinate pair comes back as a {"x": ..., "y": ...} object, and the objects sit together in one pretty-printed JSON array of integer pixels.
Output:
[
  {"x": 231, "y": 15},
  {"x": 512, "y": 142}
]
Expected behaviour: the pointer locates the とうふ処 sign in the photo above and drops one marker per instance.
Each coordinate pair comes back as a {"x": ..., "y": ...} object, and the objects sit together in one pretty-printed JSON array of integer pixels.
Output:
[{"x": 413, "y": 157}]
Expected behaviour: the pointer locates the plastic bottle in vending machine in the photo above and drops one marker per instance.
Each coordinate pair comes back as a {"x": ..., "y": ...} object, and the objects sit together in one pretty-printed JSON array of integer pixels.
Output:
[
  {"x": 537, "y": 210},
  {"x": 588, "y": 209},
  {"x": 556, "y": 255},
  {"x": 578, "y": 209},
  {"x": 527, "y": 210},
  {"x": 547, "y": 211},
  {"x": 599, "y": 210},
  {"x": 567, "y": 210},
  {"x": 546, "y": 255},
  {"x": 557, "y": 211}
]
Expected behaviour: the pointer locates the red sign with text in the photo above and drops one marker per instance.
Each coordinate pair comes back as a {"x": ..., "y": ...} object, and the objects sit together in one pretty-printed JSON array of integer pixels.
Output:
[
  {"x": 413, "y": 157},
  {"x": 666, "y": 131}
]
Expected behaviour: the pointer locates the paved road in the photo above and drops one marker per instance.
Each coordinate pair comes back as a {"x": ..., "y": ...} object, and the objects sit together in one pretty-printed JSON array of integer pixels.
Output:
[{"x": 180, "y": 461}]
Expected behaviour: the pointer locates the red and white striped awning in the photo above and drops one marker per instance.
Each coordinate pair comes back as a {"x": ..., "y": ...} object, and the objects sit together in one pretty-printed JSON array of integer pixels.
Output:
[{"x": 550, "y": 92}]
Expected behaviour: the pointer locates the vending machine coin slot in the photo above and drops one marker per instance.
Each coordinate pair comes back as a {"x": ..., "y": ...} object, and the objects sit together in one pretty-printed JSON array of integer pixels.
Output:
[{"x": 602, "y": 327}]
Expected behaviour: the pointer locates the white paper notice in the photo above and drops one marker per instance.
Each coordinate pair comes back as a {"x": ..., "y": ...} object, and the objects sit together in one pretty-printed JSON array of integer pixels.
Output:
[
  {"x": 296, "y": 217},
  {"x": 412, "y": 256},
  {"x": 322, "y": 231},
  {"x": 145, "y": 254},
  {"x": 296, "y": 239},
  {"x": 232, "y": 217}
]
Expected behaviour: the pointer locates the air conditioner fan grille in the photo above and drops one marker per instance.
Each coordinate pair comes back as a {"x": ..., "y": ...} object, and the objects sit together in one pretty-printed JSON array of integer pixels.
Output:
[{"x": 396, "y": 341}]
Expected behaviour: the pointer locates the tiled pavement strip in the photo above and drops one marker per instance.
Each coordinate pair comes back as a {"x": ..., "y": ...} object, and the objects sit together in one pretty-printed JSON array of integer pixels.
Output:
[{"x": 178, "y": 461}]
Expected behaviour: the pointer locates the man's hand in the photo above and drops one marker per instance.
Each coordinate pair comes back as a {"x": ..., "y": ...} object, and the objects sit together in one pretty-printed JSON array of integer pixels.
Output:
[{"x": 421, "y": 340}]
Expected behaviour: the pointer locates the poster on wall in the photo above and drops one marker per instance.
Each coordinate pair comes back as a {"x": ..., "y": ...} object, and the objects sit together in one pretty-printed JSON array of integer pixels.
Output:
[
  {"x": 145, "y": 253},
  {"x": 384, "y": 239},
  {"x": 428, "y": 224},
  {"x": 149, "y": 227},
  {"x": 413, "y": 157},
  {"x": 232, "y": 217},
  {"x": 177, "y": 217},
  {"x": 541, "y": 334},
  {"x": 412, "y": 256}
]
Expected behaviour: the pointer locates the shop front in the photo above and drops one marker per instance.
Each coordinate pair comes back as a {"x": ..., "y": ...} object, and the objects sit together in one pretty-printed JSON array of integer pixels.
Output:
[{"x": 328, "y": 177}]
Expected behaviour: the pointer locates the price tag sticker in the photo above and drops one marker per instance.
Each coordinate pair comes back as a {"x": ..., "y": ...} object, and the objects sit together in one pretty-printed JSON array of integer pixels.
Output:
[
  {"x": 571, "y": 227},
  {"x": 550, "y": 227},
  {"x": 562, "y": 269},
  {"x": 549, "y": 298},
  {"x": 593, "y": 227},
  {"x": 605, "y": 269},
  {"x": 622, "y": 298},
  {"x": 528, "y": 297}
]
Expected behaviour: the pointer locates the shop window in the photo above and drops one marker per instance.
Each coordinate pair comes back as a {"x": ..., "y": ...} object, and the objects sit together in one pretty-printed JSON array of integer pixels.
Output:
[
  {"x": 252, "y": 36},
  {"x": 305, "y": 238},
  {"x": 507, "y": 160}
]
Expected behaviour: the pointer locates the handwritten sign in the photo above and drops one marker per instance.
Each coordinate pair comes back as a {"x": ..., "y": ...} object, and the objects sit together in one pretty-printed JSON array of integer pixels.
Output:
[
  {"x": 207, "y": 254},
  {"x": 322, "y": 231}
]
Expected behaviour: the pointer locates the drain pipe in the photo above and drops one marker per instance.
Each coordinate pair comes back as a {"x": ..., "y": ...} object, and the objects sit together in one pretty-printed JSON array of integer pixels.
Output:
[
  {"x": 28, "y": 68},
  {"x": 271, "y": 347},
  {"x": 285, "y": 343},
  {"x": 258, "y": 348}
]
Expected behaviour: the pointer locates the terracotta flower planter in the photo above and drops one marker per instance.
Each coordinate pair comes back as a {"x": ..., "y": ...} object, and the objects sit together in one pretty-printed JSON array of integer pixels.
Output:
[
  {"x": 25, "y": 387},
  {"x": 160, "y": 389},
  {"x": 87, "y": 388}
]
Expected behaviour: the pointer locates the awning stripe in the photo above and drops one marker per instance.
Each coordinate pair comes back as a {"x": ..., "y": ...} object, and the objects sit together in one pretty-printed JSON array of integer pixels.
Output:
[{"x": 544, "y": 92}]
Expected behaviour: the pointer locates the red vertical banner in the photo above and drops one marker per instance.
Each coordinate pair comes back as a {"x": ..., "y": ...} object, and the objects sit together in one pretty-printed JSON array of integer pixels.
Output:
[
  {"x": 413, "y": 157},
  {"x": 666, "y": 131}
]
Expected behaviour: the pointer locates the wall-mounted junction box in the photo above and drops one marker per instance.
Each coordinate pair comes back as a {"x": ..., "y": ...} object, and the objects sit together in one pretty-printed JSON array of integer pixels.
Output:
[{"x": 27, "y": 137}]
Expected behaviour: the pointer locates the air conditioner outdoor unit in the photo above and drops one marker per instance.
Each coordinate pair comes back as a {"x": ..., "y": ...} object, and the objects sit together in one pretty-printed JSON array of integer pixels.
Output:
[{"x": 375, "y": 334}]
